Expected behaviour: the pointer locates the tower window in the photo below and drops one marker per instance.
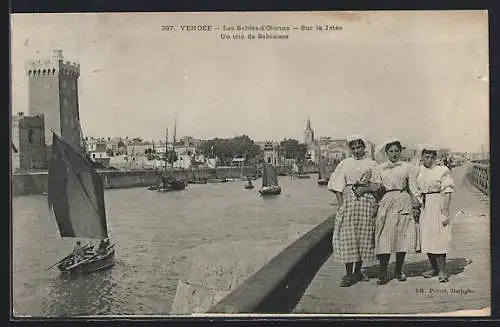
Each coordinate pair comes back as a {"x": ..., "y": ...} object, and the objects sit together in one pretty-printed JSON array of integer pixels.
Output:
[{"x": 30, "y": 135}]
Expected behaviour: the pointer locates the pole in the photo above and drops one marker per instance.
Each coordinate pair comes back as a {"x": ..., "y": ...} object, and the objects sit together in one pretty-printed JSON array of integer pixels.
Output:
[
  {"x": 166, "y": 152},
  {"x": 173, "y": 144}
]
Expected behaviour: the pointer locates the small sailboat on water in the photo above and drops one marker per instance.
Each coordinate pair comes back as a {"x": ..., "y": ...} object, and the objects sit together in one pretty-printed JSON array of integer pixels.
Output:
[
  {"x": 269, "y": 181},
  {"x": 249, "y": 185},
  {"x": 322, "y": 174},
  {"x": 76, "y": 200},
  {"x": 301, "y": 173}
]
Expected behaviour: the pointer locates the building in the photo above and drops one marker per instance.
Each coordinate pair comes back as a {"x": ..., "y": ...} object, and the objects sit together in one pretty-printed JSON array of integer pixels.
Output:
[
  {"x": 28, "y": 142},
  {"x": 53, "y": 92},
  {"x": 308, "y": 133},
  {"x": 327, "y": 148},
  {"x": 98, "y": 151},
  {"x": 96, "y": 148},
  {"x": 116, "y": 145},
  {"x": 331, "y": 150}
]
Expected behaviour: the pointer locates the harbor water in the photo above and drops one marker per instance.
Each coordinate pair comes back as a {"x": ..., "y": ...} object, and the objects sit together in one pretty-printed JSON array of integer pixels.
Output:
[{"x": 157, "y": 234}]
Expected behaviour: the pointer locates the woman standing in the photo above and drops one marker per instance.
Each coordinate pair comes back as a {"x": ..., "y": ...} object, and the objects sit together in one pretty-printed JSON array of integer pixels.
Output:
[
  {"x": 434, "y": 186},
  {"x": 355, "y": 220},
  {"x": 395, "y": 230}
]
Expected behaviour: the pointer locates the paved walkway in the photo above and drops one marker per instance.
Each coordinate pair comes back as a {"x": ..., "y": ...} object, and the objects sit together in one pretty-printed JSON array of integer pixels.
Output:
[{"x": 468, "y": 265}]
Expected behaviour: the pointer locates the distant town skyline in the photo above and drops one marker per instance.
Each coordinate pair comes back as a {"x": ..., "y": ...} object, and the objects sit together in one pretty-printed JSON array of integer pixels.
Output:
[{"x": 420, "y": 76}]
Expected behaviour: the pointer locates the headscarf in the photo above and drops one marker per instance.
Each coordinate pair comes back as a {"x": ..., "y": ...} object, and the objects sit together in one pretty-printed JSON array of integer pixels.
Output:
[
  {"x": 416, "y": 162},
  {"x": 359, "y": 137},
  {"x": 380, "y": 154},
  {"x": 420, "y": 148}
]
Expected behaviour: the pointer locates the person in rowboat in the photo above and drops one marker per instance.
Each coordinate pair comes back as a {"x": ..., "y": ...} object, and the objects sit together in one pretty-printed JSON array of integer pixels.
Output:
[
  {"x": 103, "y": 246},
  {"x": 78, "y": 252}
]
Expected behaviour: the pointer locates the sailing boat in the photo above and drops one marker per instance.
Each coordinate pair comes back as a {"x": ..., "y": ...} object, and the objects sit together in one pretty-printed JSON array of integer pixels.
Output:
[
  {"x": 169, "y": 182},
  {"x": 301, "y": 173},
  {"x": 322, "y": 174},
  {"x": 249, "y": 185},
  {"x": 76, "y": 200},
  {"x": 269, "y": 181},
  {"x": 155, "y": 169}
]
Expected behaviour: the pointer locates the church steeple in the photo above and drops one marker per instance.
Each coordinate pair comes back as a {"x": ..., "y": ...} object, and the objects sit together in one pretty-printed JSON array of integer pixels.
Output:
[{"x": 308, "y": 133}]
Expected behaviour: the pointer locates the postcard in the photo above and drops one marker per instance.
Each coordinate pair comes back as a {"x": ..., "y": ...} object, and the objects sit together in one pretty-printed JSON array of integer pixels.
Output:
[{"x": 250, "y": 164}]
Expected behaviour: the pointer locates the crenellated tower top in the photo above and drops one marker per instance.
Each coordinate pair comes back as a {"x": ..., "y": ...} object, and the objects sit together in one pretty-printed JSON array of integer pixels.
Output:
[{"x": 54, "y": 66}]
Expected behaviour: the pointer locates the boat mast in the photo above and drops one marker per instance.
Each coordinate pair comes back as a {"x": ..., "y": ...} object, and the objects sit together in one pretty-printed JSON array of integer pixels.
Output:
[
  {"x": 154, "y": 156},
  {"x": 166, "y": 152},
  {"x": 264, "y": 175},
  {"x": 173, "y": 144},
  {"x": 322, "y": 169}
]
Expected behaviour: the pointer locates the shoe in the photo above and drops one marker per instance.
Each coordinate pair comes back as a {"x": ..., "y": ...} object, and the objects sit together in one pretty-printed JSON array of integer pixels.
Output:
[
  {"x": 347, "y": 281},
  {"x": 383, "y": 279},
  {"x": 401, "y": 276},
  {"x": 443, "y": 279},
  {"x": 430, "y": 273},
  {"x": 361, "y": 277}
]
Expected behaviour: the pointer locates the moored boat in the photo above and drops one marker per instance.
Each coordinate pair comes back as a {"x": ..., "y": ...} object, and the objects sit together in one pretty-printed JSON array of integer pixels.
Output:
[
  {"x": 249, "y": 185},
  {"x": 217, "y": 180},
  {"x": 168, "y": 182},
  {"x": 197, "y": 181},
  {"x": 322, "y": 182},
  {"x": 171, "y": 184}
]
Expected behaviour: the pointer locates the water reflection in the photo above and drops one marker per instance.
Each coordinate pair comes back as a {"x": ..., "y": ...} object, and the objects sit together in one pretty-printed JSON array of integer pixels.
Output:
[{"x": 80, "y": 294}]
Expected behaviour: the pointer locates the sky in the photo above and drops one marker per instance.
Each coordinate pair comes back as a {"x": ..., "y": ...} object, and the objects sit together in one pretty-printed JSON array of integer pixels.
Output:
[{"x": 418, "y": 76}]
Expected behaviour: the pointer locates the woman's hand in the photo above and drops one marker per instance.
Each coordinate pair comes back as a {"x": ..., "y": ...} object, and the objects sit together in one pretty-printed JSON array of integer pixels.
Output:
[
  {"x": 415, "y": 203},
  {"x": 359, "y": 190},
  {"x": 446, "y": 213},
  {"x": 416, "y": 215}
]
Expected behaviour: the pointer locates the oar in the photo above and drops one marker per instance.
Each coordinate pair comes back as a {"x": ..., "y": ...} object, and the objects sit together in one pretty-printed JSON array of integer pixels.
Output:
[{"x": 66, "y": 257}]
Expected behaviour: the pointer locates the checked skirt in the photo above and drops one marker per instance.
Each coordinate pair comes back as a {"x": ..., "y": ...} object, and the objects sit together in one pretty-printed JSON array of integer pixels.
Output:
[{"x": 354, "y": 229}]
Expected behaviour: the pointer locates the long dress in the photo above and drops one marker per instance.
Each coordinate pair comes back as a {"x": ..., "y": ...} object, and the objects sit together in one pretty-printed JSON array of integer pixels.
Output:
[
  {"x": 395, "y": 229},
  {"x": 355, "y": 220},
  {"x": 430, "y": 184}
]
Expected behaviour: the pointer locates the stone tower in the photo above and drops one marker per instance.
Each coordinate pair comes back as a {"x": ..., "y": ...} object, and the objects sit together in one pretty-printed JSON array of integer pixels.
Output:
[
  {"x": 308, "y": 133},
  {"x": 53, "y": 92}
]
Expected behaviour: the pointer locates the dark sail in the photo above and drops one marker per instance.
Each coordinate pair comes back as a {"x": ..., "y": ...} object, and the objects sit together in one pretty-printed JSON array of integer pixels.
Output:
[
  {"x": 75, "y": 193},
  {"x": 269, "y": 176},
  {"x": 273, "y": 176},
  {"x": 265, "y": 177},
  {"x": 322, "y": 170}
]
